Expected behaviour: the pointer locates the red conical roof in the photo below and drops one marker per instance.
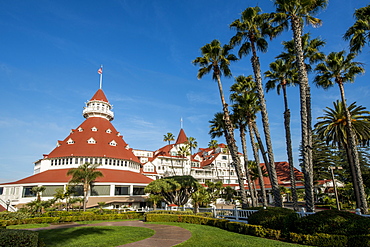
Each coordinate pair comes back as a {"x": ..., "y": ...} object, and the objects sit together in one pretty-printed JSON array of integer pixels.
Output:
[
  {"x": 93, "y": 138},
  {"x": 182, "y": 137},
  {"x": 99, "y": 95}
]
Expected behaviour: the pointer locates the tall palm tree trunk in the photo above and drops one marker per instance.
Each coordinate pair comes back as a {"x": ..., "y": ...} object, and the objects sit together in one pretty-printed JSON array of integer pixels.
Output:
[
  {"x": 266, "y": 127},
  {"x": 256, "y": 158},
  {"x": 246, "y": 167},
  {"x": 261, "y": 147},
  {"x": 229, "y": 136},
  {"x": 352, "y": 146},
  {"x": 353, "y": 174},
  {"x": 307, "y": 167},
  {"x": 288, "y": 139}
]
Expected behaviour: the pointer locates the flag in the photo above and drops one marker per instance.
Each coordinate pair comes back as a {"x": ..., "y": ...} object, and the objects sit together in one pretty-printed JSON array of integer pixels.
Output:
[{"x": 100, "y": 71}]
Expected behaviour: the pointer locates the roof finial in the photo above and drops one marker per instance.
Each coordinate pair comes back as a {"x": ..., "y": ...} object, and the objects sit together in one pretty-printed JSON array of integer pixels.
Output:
[{"x": 100, "y": 72}]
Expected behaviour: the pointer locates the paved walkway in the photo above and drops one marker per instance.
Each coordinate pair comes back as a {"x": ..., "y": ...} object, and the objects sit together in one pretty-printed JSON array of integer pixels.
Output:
[{"x": 164, "y": 236}]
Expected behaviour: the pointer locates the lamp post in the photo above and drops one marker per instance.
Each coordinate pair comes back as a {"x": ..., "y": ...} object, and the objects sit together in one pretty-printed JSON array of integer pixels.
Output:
[
  {"x": 332, "y": 168},
  {"x": 7, "y": 205}
]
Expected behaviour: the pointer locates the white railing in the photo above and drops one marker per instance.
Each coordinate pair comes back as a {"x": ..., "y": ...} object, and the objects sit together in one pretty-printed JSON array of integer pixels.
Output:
[
  {"x": 234, "y": 214},
  {"x": 7, "y": 205}
]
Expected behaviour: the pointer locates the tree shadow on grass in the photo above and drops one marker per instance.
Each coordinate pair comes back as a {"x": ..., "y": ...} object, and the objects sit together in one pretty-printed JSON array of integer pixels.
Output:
[{"x": 64, "y": 236}]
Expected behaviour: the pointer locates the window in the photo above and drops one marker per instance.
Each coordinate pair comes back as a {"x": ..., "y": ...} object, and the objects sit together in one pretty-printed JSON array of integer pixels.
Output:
[
  {"x": 91, "y": 141},
  {"x": 70, "y": 141},
  {"x": 113, "y": 143},
  {"x": 27, "y": 192},
  {"x": 224, "y": 157},
  {"x": 138, "y": 191},
  {"x": 121, "y": 190},
  {"x": 1, "y": 190},
  {"x": 108, "y": 131},
  {"x": 80, "y": 129},
  {"x": 100, "y": 190},
  {"x": 94, "y": 129},
  {"x": 50, "y": 190}
]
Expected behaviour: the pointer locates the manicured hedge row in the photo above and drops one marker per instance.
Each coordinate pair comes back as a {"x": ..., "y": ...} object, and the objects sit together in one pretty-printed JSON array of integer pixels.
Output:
[
  {"x": 88, "y": 216},
  {"x": 320, "y": 239},
  {"x": 20, "y": 238}
]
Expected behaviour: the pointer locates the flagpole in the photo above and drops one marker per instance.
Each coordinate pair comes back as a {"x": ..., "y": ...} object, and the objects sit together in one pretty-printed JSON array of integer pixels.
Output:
[{"x": 101, "y": 76}]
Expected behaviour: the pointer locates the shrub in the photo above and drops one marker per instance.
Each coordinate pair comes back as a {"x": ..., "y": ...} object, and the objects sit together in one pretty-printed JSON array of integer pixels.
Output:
[
  {"x": 359, "y": 241},
  {"x": 14, "y": 215},
  {"x": 319, "y": 239},
  {"x": 19, "y": 238},
  {"x": 333, "y": 222},
  {"x": 273, "y": 218}
]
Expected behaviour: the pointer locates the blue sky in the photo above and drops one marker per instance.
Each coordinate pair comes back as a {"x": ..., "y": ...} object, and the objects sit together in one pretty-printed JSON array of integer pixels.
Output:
[{"x": 51, "y": 50}]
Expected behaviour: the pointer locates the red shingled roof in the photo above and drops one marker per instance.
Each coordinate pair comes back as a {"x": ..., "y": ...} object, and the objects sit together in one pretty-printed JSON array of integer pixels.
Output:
[
  {"x": 99, "y": 95},
  {"x": 182, "y": 137},
  {"x": 101, "y": 148},
  {"x": 60, "y": 176}
]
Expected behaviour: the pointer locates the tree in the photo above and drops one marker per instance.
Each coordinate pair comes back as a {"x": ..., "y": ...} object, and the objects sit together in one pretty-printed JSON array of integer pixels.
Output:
[
  {"x": 213, "y": 190},
  {"x": 183, "y": 153},
  {"x": 193, "y": 144},
  {"x": 85, "y": 174},
  {"x": 334, "y": 129},
  {"x": 174, "y": 190},
  {"x": 281, "y": 75},
  {"x": 252, "y": 29},
  {"x": 295, "y": 11},
  {"x": 245, "y": 107},
  {"x": 38, "y": 190},
  {"x": 169, "y": 137},
  {"x": 198, "y": 197},
  {"x": 359, "y": 34},
  {"x": 155, "y": 199},
  {"x": 218, "y": 59},
  {"x": 101, "y": 205}
]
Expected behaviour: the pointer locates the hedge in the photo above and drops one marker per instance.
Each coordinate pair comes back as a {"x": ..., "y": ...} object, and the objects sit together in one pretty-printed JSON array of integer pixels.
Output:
[
  {"x": 82, "y": 217},
  {"x": 20, "y": 238},
  {"x": 319, "y": 239}
]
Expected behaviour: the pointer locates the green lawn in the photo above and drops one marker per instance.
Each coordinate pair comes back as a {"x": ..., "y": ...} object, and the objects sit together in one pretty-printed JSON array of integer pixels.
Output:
[
  {"x": 208, "y": 236},
  {"x": 96, "y": 236}
]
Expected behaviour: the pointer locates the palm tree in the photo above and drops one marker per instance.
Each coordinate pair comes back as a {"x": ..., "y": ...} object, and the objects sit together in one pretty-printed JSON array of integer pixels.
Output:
[
  {"x": 252, "y": 28},
  {"x": 334, "y": 129},
  {"x": 85, "y": 174},
  {"x": 213, "y": 144},
  {"x": 193, "y": 144},
  {"x": 281, "y": 75},
  {"x": 101, "y": 205},
  {"x": 295, "y": 11},
  {"x": 217, "y": 58},
  {"x": 38, "y": 190},
  {"x": 183, "y": 152},
  {"x": 243, "y": 100},
  {"x": 169, "y": 137},
  {"x": 338, "y": 68},
  {"x": 359, "y": 34}
]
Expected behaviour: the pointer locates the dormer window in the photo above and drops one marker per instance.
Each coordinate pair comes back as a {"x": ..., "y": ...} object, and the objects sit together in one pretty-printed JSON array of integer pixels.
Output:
[
  {"x": 118, "y": 134},
  {"x": 108, "y": 131},
  {"x": 70, "y": 141},
  {"x": 113, "y": 143},
  {"x": 94, "y": 129},
  {"x": 80, "y": 129},
  {"x": 91, "y": 141}
]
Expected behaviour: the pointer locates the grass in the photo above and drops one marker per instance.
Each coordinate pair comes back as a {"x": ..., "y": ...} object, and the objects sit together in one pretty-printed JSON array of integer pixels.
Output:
[
  {"x": 208, "y": 236},
  {"x": 96, "y": 236}
]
